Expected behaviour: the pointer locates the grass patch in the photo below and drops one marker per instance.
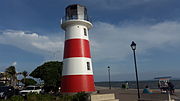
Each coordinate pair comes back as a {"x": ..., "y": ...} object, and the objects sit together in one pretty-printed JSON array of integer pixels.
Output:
[{"x": 47, "y": 97}]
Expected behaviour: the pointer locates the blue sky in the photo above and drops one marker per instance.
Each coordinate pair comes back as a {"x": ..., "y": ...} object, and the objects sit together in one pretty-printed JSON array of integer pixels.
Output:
[{"x": 30, "y": 34}]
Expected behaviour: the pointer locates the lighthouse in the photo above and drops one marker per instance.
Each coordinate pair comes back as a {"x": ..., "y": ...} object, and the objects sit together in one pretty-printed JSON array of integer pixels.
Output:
[{"x": 77, "y": 73}]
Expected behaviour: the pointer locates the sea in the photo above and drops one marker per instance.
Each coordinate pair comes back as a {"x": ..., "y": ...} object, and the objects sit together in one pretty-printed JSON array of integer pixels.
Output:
[{"x": 153, "y": 84}]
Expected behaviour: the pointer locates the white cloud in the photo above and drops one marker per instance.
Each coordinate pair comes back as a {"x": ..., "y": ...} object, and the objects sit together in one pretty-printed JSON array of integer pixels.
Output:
[
  {"x": 49, "y": 47},
  {"x": 112, "y": 42},
  {"x": 111, "y": 46},
  {"x": 14, "y": 63},
  {"x": 108, "y": 41}
]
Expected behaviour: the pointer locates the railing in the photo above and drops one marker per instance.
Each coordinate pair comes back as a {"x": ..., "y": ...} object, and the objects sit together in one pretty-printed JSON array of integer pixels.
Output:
[{"x": 79, "y": 17}]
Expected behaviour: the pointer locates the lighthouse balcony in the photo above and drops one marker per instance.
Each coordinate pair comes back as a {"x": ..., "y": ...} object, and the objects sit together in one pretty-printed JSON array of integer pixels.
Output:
[
  {"x": 66, "y": 21},
  {"x": 65, "y": 18}
]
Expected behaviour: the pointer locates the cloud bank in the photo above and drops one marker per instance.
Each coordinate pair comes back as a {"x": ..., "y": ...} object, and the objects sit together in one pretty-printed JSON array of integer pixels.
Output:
[
  {"x": 108, "y": 41},
  {"x": 113, "y": 41},
  {"x": 49, "y": 47}
]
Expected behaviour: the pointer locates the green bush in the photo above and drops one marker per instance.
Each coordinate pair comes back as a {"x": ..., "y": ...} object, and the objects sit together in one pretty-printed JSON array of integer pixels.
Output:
[
  {"x": 47, "y": 97},
  {"x": 39, "y": 97},
  {"x": 82, "y": 96},
  {"x": 66, "y": 98},
  {"x": 2, "y": 100},
  {"x": 16, "y": 98},
  {"x": 32, "y": 97}
]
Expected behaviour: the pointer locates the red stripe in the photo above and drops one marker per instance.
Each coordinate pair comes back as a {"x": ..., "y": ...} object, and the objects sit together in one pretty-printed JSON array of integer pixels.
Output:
[
  {"x": 77, "y": 83},
  {"x": 77, "y": 48}
]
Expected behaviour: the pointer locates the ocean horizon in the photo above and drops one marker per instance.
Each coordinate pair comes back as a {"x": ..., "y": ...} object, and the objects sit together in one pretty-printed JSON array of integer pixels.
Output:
[{"x": 153, "y": 84}]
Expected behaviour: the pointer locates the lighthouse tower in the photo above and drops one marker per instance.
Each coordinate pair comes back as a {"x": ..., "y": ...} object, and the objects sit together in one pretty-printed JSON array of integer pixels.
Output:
[{"x": 77, "y": 75}]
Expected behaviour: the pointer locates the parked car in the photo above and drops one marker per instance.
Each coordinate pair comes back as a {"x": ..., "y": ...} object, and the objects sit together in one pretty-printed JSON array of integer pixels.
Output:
[
  {"x": 28, "y": 89},
  {"x": 6, "y": 92}
]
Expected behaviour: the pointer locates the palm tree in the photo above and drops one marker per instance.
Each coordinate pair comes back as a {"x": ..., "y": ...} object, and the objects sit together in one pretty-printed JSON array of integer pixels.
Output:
[
  {"x": 25, "y": 74},
  {"x": 11, "y": 73},
  {"x": 19, "y": 73}
]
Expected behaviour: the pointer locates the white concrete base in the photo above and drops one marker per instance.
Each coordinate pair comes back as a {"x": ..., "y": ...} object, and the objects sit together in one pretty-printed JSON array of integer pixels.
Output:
[{"x": 103, "y": 97}]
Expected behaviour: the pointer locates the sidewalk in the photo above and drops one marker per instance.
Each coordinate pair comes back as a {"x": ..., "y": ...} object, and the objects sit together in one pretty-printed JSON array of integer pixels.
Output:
[{"x": 131, "y": 94}]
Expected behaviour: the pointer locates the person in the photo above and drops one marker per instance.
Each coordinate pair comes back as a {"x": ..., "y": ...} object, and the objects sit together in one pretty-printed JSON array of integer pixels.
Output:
[
  {"x": 163, "y": 85},
  {"x": 123, "y": 86},
  {"x": 147, "y": 90},
  {"x": 126, "y": 85},
  {"x": 171, "y": 87}
]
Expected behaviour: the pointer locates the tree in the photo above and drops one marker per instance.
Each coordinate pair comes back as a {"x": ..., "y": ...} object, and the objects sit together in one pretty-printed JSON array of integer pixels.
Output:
[
  {"x": 25, "y": 74},
  {"x": 11, "y": 73},
  {"x": 2, "y": 78},
  {"x": 51, "y": 73},
  {"x": 28, "y": 81}
]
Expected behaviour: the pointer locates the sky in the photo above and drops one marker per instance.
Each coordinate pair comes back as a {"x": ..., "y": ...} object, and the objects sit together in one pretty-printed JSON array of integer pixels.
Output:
[{"x": 30, "y": 35}]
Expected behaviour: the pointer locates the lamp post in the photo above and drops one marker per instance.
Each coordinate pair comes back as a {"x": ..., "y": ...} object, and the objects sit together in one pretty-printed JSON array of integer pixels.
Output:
[
  {"x": 133, "y": 46},
  {"x": 109, "y": 77}
]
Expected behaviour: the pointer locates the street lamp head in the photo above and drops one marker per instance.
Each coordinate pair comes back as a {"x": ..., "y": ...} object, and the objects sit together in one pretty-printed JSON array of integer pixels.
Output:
[{"x": 133, "y": 45}]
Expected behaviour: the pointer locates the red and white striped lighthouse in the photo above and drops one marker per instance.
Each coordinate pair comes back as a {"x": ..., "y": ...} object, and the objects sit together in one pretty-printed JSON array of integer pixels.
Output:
[{"x": 77, "y": 66}]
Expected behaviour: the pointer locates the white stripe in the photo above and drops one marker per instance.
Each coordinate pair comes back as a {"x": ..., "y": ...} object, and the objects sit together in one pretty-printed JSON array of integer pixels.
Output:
[
  {"x": 76, "y": 66},
  {"x": 76, "y": 31},
  {"x": 75, "y": 22}
]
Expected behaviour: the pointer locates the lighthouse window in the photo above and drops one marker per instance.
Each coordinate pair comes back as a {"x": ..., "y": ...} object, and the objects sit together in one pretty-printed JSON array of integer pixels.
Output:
[
  {"x": 88, "y": 65},
  {"x": 74, "y": 7},
  {"x": 85, "y": 32}
]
